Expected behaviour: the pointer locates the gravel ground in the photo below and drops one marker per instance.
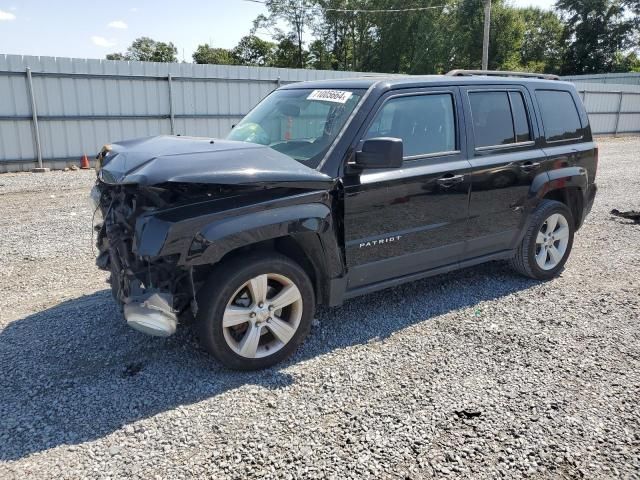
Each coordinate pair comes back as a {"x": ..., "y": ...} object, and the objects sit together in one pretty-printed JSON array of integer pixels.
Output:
[{"x": 475, "y": 374}]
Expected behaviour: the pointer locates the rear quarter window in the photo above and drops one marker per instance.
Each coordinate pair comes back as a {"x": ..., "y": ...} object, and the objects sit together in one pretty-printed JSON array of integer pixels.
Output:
[{"x": 560, "y": 117}]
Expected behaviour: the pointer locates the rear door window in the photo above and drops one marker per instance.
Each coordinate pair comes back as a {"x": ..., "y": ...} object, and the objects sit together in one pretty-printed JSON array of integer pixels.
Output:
[
  {"x": 520, "y": 117},
  {"x": 560, "y": 118},
  {"x": 492, "y": 121},
  {"x": 499, "y": 118}
]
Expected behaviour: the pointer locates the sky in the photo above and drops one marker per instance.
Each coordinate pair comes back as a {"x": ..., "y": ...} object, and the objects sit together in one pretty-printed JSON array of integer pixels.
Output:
[{"x": 86, "y": 29}]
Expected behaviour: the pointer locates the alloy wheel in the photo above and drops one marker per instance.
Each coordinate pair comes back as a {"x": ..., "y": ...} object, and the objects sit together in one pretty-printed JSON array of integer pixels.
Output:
[
  {"x": 262, "y": 316},
  {"x": 552, "y": 241}
]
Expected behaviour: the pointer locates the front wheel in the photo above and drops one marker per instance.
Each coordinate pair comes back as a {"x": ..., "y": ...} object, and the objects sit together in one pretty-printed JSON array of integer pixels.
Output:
[
  {"x": 255, "y": 311},
  {"x": 547, "y": 242}
]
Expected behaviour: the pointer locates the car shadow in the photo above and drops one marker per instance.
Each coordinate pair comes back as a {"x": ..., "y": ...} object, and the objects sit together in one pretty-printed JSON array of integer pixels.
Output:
[{"x": 75, "y": 372}]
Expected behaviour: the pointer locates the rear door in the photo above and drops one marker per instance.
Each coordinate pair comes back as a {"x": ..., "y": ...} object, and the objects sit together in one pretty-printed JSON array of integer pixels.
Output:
[
  {"x": 409, "y": 219},
  {"x": 506, "y": 155}
]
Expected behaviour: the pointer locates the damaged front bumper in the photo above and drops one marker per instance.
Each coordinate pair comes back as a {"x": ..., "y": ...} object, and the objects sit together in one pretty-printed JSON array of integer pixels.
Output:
[
  {"x": 151, "y": 291},
  {"x": 152, "y": 313}
]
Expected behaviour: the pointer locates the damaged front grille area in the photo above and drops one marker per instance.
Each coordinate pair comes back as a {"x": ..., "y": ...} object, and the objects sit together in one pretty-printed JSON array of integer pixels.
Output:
[{"x": 151, "y": 290}]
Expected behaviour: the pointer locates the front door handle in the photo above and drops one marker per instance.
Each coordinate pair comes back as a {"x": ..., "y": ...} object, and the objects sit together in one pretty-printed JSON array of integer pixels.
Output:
[
  {"x": 450, "y": 180},
  {"x": 529, "y": 166}
]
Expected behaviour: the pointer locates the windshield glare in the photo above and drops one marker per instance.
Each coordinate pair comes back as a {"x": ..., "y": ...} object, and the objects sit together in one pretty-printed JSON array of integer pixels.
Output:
[{"x": 299, "y": 123}]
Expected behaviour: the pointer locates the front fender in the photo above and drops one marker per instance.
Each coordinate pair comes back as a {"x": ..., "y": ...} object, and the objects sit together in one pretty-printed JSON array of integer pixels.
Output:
[{"x": 220, "y": 237}]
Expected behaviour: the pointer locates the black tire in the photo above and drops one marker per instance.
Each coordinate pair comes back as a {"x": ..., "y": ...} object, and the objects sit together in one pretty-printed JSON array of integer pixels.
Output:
[
  {"x": 524, "y": 260},
  {"x": 224, "y": 282}
]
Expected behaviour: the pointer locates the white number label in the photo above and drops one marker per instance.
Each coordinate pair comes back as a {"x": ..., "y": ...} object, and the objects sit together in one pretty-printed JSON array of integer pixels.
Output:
[{"x": 335, "y": 96}]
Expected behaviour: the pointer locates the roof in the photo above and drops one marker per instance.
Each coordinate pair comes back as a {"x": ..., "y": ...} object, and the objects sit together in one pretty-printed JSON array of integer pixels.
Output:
[{"x": 409, "y": 81}]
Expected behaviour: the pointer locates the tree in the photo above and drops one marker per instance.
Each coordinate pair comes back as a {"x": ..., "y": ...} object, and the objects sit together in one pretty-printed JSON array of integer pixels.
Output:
[
  {"x": 595, "y": 32},
  {"x": 345, "y": 38},
  {"x": 320, "y": 58},
  {"x": 116, "y": 56},
  {"x": 626, "y": 62},
  {"x": 366, "y": 36},
  {"x": 287, "y": 54},
  {"x": 252, "y": 50},
  {"x": 145, "y": 49},
  {"x": 542, "y": 45},
  {"x": 584, "y": 36},
  {"x": 505, "y": 40},
  {"x": 218, "y": 56},
  {"x": 298, "y": 15}
]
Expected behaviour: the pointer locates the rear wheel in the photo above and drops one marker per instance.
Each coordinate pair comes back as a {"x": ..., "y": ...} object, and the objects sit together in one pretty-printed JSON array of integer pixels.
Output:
[
  {"x": 255, "y": 311},
  {"x": 547, "y": 243}
]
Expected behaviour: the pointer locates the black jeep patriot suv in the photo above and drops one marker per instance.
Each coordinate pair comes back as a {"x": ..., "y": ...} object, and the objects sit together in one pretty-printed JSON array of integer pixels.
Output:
[{"x": 331, "y": 189}]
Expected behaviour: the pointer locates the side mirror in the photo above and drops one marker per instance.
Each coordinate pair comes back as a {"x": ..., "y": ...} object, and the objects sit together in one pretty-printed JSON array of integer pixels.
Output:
[{"x": 383, "y": 152}]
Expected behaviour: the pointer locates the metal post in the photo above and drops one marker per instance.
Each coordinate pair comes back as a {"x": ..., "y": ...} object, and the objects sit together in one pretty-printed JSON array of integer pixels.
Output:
[
  {"x": 171, "y": 116},
  {"x": 485, "y": 38},
  {"x": 619, "y": 110},
  {"x": 34, "y": 113}
]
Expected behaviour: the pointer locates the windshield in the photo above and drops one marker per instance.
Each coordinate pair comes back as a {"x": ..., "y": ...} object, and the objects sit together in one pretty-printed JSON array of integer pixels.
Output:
[{"x": 299, "y": 123}]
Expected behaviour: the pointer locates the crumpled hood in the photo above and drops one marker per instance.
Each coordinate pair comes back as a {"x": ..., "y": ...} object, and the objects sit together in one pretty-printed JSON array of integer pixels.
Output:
[{"x": 155, "y": 160}]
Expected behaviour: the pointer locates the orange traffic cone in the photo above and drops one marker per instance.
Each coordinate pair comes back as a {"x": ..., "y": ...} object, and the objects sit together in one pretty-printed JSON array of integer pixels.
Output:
[{"x": 84, "y": 163}]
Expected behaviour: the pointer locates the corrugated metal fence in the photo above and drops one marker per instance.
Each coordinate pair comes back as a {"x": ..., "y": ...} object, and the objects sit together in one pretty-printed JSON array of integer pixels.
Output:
[
  {"x": 57, "y": 109},
  {"x": 613, "y": 108},
  {"x": 629, "y": 78}
]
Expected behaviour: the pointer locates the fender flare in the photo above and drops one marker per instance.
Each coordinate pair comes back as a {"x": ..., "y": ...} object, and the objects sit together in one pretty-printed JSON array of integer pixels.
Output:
[
  {"x": 223, "y": 236},
  {"x": 568, "y": 177},
  {"x": 545, "y": 182}
]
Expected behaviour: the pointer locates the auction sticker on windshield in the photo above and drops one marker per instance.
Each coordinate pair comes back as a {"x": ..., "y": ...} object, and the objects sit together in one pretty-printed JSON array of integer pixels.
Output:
[{"x": 336, "y": 96}]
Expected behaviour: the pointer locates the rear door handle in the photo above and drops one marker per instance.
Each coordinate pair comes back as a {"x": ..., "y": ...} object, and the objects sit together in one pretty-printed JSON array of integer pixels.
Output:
[
  {"x": 529, "y": 166},
  {"x": 448, "y": 181}
]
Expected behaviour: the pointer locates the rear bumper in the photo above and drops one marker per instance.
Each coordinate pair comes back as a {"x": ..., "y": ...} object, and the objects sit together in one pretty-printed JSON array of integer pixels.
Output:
[
  {"x": 591, "y": 196},
  {"x": 588, "y": 201}
]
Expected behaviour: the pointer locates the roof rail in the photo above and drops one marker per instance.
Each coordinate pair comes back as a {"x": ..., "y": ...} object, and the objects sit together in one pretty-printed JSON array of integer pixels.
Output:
[{"x": 499, "y": 73}]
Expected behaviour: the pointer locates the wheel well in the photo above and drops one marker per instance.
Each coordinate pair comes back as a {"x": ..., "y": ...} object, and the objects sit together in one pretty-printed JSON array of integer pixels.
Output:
[
  {"x": 289, "y": 247},
  {"x": 572, "y": 198}
]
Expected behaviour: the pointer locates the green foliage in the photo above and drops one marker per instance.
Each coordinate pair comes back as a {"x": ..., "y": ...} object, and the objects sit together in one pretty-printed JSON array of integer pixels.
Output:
[
  {"x": 626, "y": 63},
  {"x": 218, "y": 56},
  {"x": 297, "y": 15},
  {"x": 348, "y": 39},
  {"x": 589, "y": 36},
  {"x": 320, "y": 58},
  {"x": 252, "y": 50},
  {"x": 595, "y": 32},
  {"x": 439, "y": 39},
  {"x": 505, "y": 40},
  {"x": 542, "y": 44},
  {"x": 115, "y": 56},
  {"x": 287, "y": 53},
  {"x": 145, "y": 49},
  {"x": 580, "y": 36}
]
